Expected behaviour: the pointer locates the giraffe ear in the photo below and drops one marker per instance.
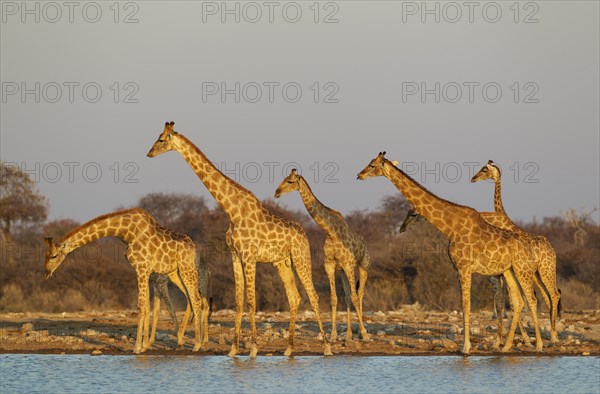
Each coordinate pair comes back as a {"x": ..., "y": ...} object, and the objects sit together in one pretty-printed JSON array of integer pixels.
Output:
[
  {"x": 395, "y": 163},
  {"x": 490, "y": 162}
]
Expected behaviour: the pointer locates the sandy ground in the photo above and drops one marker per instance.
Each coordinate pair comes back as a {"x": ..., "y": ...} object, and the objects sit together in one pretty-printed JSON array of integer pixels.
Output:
[{"x": 407, "y": 331}]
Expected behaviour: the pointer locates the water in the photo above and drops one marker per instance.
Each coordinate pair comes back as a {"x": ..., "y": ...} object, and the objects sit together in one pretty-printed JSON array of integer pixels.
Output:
[{"x": 142, "y": 374}]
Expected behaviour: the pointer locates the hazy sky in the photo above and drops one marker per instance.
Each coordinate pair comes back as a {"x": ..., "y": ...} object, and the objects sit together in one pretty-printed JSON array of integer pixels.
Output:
[{"x": 518, "y": 85}]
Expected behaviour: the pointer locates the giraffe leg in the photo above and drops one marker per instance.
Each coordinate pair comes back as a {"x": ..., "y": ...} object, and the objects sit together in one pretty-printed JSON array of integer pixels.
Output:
[
  {"x": 203, "y": 286},
  {"x": 498, "y": 308},
  {"x": 250, "y": 276},
  {"x": 163, "y": 290},
  {"x": 465, "y": 287},
  {"x": 155, "y": 314},
  {"x": 542, "y": 289},
  {"x": 525, "y": 279},
  {"x": 355, "y": 301},
  {"x": 348, "y": 299},
  {"x": 238, "y": 274},
  {"x": 498, "y": 296},
  {"x": 330, "y": 270},
  {"x": 286, "y": 273},
  {"x": 189, "y": 276},
  {"x": 502, "y": 310},
  {"x": 524, "y": 334},
  {"x": 175, "y": 278},
  {"x": 160, "y": 284},
  {"x": 516, "y": 304},
  {"x": 204, "y": 315},
  {"x": 143, "y": 301},
  {"x": 548, "y": 278},
  {"x": 301, "y": 260},
  {"x": 363, "y": 275}
]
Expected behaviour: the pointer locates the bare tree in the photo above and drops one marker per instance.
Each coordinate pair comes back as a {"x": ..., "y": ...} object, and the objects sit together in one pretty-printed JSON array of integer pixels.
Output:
[
  {"x": 20, "y": 203},
  {"x": 578, "y": 222}
]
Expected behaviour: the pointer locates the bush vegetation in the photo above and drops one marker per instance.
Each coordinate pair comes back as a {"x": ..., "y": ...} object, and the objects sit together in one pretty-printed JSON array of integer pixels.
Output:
[{"x": 406, "y": 267}]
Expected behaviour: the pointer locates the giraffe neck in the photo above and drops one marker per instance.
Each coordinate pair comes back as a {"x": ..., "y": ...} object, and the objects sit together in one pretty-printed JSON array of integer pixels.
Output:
[
  {"x": 498, "y": 206},
  {"x": 323, "y": 215},
  {"x": 231, "y": 196},
  {"x": 448, "y": 217},
  {"x": 110, "y": 225}
]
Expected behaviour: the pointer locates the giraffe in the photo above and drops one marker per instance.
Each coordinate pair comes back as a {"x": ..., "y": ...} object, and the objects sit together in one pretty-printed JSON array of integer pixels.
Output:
[
  {"x": 150, "y": 248},
  {"x": 413, "y": 217},
  {"x": 544, "y": 253},
  {"x": 160, "y": 285},
  {"x": 475, "y": 246},
  {"x": 344, "y": 249},
  {"x": 255, "y": 235}
]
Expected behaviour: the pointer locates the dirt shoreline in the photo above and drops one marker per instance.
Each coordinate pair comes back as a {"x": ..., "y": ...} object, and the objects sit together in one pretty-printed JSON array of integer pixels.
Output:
[{"x": 409, "y": 331}]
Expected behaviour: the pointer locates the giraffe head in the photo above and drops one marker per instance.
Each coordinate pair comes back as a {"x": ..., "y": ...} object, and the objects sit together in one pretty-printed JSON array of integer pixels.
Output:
[
  {"x": 55, "y": 254},
  {"x": 376, "y": 167},
  {"x": 488, "y": 171},
  {"x": 412, "y": 217},
  {"x": 289, "y": 184},
  {"x": 164, "y": 143}
]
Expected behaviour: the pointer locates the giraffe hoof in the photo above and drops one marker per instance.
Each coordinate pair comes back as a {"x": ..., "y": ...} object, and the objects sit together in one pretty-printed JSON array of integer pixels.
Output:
[
  {"x": 497, "y": 345},
  {"x": 333, "y": 336},
  {"x": 327, "y": 350},
  {"x": 506, "y": 349},
  {"x": 232, "y": 352},
  {"x": 288, "y": 351},
  {"x": 197, "y": 347},
  {"x": 253, "y": 351},
  {"x": 366, "y": 337}
]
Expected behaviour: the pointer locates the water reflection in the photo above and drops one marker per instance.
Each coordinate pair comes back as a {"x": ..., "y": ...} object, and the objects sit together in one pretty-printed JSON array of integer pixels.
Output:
[{"x": 82, "y": 373}]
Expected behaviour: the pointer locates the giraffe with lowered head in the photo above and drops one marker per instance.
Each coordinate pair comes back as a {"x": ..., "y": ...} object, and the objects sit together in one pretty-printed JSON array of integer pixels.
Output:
[
  {"x": 255, "y": 235},
  {"x": 475, "y": 245},
  {"x": 151, "y": 248},
  {"x": 544, "y": 253},
  {"x": 344, "y": 249}
]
